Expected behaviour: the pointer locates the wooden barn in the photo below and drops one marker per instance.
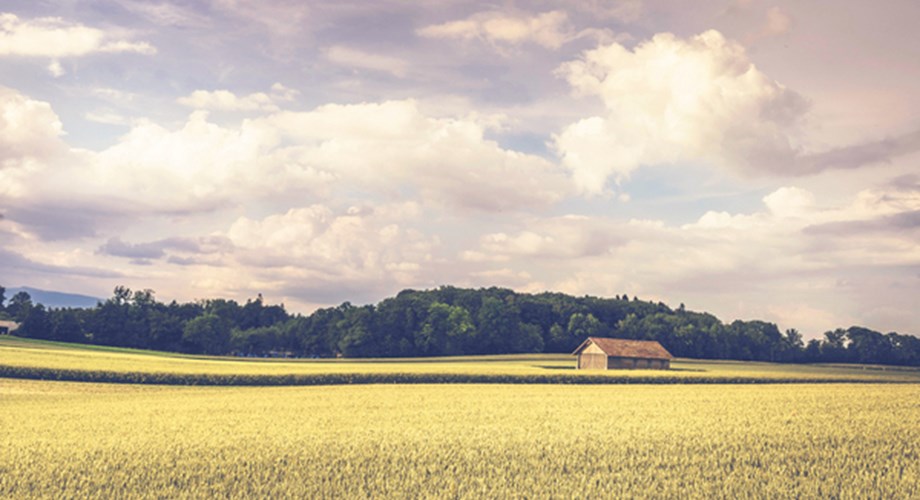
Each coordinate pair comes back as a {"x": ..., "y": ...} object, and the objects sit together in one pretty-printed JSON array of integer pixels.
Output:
[
  {"x": 599, "y": 353},
  {"x": 8, "y": 327}
]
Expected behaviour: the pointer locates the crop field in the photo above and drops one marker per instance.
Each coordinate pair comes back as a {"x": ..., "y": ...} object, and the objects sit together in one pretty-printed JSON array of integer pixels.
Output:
[
  {"x": 665, "y": 434},
  {"x": 21, "y": 358},
  {"x": 71, "y": 440}
]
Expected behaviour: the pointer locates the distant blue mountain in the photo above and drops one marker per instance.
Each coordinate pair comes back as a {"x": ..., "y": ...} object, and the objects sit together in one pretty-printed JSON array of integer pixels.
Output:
[{"x": 50, "y": 298}]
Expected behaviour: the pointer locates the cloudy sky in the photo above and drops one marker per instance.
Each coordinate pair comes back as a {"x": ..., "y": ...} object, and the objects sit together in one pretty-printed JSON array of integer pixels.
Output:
[{"x": 757, "y": 159}]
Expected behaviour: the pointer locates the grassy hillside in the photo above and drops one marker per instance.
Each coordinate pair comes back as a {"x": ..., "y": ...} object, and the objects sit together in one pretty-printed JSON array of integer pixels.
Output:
[
  {"x": 21, "y": 358},
  {"x": 76, "y": 440}
]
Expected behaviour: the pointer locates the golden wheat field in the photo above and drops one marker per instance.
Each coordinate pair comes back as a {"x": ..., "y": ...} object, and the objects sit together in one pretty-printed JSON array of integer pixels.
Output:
[
  {"x": 22, "y": 358},
  {"x": 73, "y": 440}
]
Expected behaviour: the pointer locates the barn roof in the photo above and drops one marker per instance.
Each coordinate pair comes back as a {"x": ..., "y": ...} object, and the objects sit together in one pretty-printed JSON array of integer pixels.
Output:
[{"x": 624, "y": 348}]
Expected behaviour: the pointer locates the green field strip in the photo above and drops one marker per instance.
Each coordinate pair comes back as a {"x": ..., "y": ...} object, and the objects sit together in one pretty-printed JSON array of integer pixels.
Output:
[{"x": 32, "y": 373}]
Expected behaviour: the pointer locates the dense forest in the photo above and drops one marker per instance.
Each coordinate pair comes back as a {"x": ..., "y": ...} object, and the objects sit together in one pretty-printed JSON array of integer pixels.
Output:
[{"x": 444, "y": 321}]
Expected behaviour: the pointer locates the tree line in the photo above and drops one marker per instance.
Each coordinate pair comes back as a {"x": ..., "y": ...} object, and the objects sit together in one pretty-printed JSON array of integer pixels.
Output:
[{"x": 440, "y": 322}]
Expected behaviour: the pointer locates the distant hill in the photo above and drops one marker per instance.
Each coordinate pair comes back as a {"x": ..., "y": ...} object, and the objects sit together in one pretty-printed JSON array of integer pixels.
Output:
[{"x": 50, "y": 298}]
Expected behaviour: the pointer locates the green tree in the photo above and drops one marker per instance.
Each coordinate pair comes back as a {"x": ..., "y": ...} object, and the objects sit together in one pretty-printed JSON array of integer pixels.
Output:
[
  {"x": 36, "y": 324},
  {"x": 868, "y": 346},
  {"x": 528, "y": 339},
  {"x": 833, "y": 348},
  {"x": 813, "y": 351},
  {"x": 629, "y": 327},
  {"x": 19, "y": 306},
  {"x": 557, "y": 337},
  {"x": 355, "y": 331},
  {"x": 207, "y": 334},
  {"x": 260, "y": 340},
  {"x": 446, "y": 330},
  {"x": 121, "y": 295},
  {"x": 431, "y": 339},
  {"x": 227, "y": 310},
  {"x": 397, "y": 323},
  {"x": 165, "y": 326},
  {"x": 66, "y": 326},
  {"x": 794, "y": 338},
  {"x": 462, "y": 335},
  {"x": 794, "y": 346},
  {"x": 254, "y": 314},
  {"x": 117, "y": 323},
  {"x": 582, "y": 326},
  {"x": 498, "y": 323}
]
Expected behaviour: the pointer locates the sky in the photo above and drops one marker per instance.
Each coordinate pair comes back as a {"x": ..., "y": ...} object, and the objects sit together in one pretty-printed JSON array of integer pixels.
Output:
[{"x": 751, "y": 158}]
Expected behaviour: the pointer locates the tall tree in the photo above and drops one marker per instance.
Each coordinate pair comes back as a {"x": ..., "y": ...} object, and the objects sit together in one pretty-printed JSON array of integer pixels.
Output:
[
  {"x": 19, "y": 306},
  {"x": 446, "y": 330},
  {"x": 356, "y": 332},
  {"x": 833, "y": 348},
  {"x": 580, "y": 327},
  {"x": 793, "y": 350},
  {"x": 36, "y": 323},
  {"x": 207, "y": 334},
  {"x": 66, "y": 326},
  {"x": 498, "y": 323}
]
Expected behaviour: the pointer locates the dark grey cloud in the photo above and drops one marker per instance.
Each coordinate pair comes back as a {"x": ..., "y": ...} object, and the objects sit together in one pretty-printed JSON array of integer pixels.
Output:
[
  {"x": 897, "y": 223},
  {"x": 906, "y": 183},
  {"x": 189, "y": 261},
  {"x": 169, "y": 14},
  {"x": 859, "y": 155},
  {"x": 59, "y": 220},
  {"x": 118, "y": 248},
  {"x": 143, "y": 253},
  {"x": 12, "y": 261},
  {"x": 329, "y": 293},
  {"x": 80, "y": 217}
]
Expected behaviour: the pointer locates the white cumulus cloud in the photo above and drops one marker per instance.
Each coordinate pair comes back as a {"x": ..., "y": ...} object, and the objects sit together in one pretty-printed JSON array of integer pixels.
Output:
[
  {"x": 792, "y": 253},
  {"x": 548, "y": 29},
  {"x": 789, "y": 201},
  {"x": 28, "y": 128},
  {"x": 388, "y": 150},
  {"x": 55, "y": 37},
  {"x": 392, "y": 145},
  {"x": 225, "y": 100},
  {"x": 671, "y": 99},
  {"x": 355, "y": 58},
  {"x": 326, "y": 247}
]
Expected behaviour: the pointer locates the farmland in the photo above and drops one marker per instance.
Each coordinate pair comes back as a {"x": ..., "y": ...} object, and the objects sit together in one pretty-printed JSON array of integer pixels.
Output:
[
  {"x": 58, "y": 361},
  {"x": 64, "y": 439},
  {"x": 665, "y": 434}
]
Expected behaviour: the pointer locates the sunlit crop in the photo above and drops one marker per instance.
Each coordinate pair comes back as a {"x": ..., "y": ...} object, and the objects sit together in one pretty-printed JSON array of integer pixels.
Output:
[
  {"x": 64, "y": 440},
  {"x": 28, "y": 359}
]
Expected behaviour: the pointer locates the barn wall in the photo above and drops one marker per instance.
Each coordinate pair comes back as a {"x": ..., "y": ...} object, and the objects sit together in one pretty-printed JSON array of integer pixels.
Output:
[
  {"x": 592, "y": 361},
  {"x": 659, "y": 364},
  {"x": 592, "y": 348},
  {"x": 621, "y": 363},
  {"x": 638, "y": 364}
]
